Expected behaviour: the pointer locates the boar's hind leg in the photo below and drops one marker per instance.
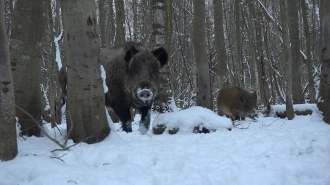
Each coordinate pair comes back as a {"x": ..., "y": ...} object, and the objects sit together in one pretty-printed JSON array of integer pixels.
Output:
[
  {"x": 123, "y": 112},
  {"x": 145, "y": 120}
]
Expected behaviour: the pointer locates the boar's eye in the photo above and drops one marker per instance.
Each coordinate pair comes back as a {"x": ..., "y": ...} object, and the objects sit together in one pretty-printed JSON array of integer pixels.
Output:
[
  {"x": 153, "y": 74},
  {"x": 135, "y": 71}
]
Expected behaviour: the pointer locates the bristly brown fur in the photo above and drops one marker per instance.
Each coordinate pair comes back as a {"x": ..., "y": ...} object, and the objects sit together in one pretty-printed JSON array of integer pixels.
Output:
[{"x": 235, "y": 102}]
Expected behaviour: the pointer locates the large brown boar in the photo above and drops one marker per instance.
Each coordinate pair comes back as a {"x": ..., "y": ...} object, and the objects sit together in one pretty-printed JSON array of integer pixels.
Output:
[
  {"x": 235, "y": 102},
  {"x": 132, "y": 76}
]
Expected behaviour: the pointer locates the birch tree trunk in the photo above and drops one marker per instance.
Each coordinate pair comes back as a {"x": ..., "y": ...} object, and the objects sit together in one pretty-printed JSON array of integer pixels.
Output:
[
  {"x": 85, "y": 96},
  {"x": 204, "y": 95},
  {"x": 8, "y": 142}
]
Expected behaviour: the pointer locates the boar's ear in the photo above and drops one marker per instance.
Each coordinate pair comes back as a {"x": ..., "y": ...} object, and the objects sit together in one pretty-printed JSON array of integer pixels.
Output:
[
  {"x": 131, "y": 51},
  {"x": 242, "y": 98},
  {"x": 161, "y": 55}
]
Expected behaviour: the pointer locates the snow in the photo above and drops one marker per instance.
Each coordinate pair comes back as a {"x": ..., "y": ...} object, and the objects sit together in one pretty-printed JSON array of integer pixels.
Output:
[
  {"x": 187, "y": 119},
  {"x": 265, "y": 151},
  {"x": 103, "y": 76},
  {"x": 296, "y": 107},
  {"x": 56, "y": 41}
]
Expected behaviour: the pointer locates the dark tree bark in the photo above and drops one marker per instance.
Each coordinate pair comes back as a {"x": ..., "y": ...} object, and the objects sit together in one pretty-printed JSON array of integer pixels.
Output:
[
  {"x": 239, "y": 57},
  {"x": 324, "y": 96},
  {"x": 220, "y": 42},
  {"x": 103, "y": 22},
  {"x": 255, "y": 48},
  {"x": 163, "y": 99},
  {"x": 308, "y": 53},
  {"x": 287, "y": 60},
  {"x": 120, "y": 21},
  {"x": 204, "y": 96},
  {"x": 26, "y": 56},
  {"x": 8, "y": 142},
  {"x": 51, "y": 91},
  {"x": 292, "y": 10}
]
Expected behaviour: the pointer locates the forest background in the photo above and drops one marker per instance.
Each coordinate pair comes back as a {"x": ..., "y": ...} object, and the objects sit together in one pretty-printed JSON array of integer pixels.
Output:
[{"x": 276, "y": 48}]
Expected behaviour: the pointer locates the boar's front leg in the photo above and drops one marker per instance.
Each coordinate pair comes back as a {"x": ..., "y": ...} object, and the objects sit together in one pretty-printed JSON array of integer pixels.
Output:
[
  {"x": 145, "y": 120},
  {"x": 122, "y": 110}
]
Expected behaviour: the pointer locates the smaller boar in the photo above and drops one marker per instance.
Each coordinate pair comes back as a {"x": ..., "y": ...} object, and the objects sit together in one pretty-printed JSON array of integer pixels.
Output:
[{"x": 235, "y": 102}]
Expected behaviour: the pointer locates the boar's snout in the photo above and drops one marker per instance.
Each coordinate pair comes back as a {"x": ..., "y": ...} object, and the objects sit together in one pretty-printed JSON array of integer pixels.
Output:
[{"x": 145, "y": 94}]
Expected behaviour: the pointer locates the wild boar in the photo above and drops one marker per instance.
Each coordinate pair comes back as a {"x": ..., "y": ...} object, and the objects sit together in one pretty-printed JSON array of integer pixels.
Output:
[
  {"x": 132, "y": 76},
  {"x": 235, "y": 102}
]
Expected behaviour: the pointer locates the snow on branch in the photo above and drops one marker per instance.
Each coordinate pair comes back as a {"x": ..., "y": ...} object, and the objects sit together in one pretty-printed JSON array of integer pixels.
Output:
[{"x": 268, "y": 16}]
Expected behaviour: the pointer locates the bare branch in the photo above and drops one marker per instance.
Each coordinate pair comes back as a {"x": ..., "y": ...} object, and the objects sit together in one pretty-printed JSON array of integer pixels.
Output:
[
  {"x": 40, "y": 127},
  {"x": 71, "y": 128},
  {"x": 242, "y": 128},
  {"x": 67, "y": 148},
  {"x": 264, "y": 125}
]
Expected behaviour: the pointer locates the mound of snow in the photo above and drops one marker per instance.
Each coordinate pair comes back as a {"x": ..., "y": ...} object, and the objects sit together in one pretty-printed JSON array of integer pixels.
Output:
[
  {"x": 296, "y": 107},
  {"x": 189, "y": 118}
]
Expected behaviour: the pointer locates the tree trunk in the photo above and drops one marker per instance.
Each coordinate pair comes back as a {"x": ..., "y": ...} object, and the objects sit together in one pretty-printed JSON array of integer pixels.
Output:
[
  {"x": 103, "y": 23},
  {"x": 287, "y": 60},
  {"x": 111, "y": 25},
  {"x": 239, "y": 58},
  {"x": 292, "y": 11},
  {"x": 257, "y": 48},
  {"x": 120, "y": 22},
  {"x": 59, "y": 59},
  {"x": 49, "y": 75},
  {"x": 265, "y": 85},
  {"x": 158, "y": 23},
  {"x": 169, "y": 35},
  {"x": 310, "y": 68},
  {"x": 163, "y": 99},
  {"x": 324, "y": 96},
  {"x": 8, "y": 142},
  {"x": 27, "y": 36},
  {"x": 85, "y": 95},
  {"x": 135, "y": 21},
  {"x": 204, "y": 95},
  {"x": 220, "y": 42}
]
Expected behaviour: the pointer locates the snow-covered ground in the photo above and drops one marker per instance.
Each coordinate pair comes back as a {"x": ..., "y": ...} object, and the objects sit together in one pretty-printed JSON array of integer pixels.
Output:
[{"x": 266, "y": 151}]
